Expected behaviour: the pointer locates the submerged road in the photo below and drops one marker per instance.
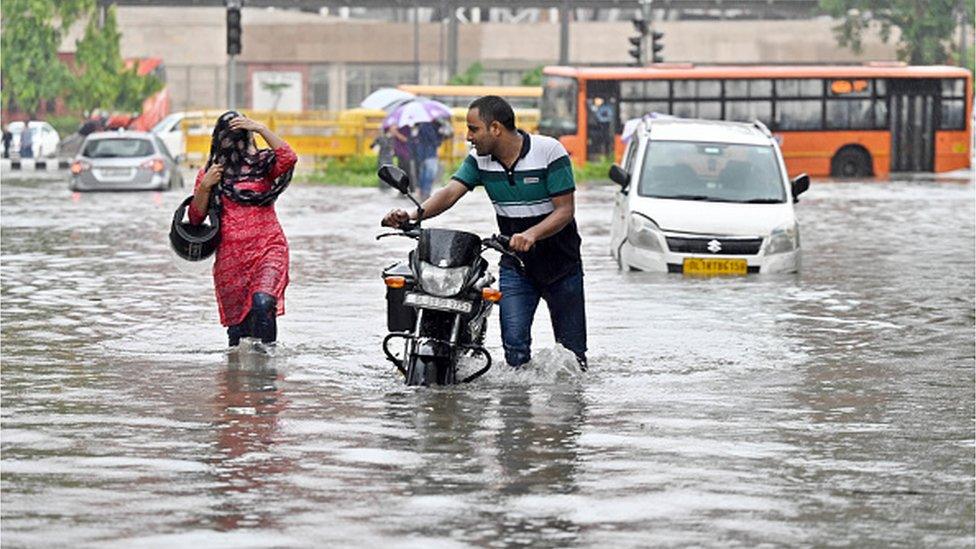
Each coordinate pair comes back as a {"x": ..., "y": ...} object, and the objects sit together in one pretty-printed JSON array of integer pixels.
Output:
[{"x": 833, "y": 407}]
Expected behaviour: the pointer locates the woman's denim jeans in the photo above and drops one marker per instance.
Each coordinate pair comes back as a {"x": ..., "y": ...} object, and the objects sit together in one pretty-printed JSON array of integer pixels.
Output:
[{"x": 520, "y": 298}]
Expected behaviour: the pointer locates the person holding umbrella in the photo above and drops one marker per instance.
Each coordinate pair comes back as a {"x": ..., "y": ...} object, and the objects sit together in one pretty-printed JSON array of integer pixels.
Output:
[{"x": 404, "y": 122}]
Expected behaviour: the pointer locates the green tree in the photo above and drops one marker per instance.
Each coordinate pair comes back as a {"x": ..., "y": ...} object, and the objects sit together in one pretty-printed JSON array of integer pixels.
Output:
[
  {"x": 103, "y": 81},
  {"x": 926, "y": 26},
  {"x": 32, "y": 31},
  {"x": 470, "y": 77},
  {"x": 533, "y": 77}
]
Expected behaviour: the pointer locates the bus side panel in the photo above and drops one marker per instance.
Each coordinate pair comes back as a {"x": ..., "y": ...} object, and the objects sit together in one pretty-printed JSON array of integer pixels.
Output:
[
  {"x": 576, "y": 147},
  {"x": 812, "y": 152},
  {"x": 951, "y": 150}
]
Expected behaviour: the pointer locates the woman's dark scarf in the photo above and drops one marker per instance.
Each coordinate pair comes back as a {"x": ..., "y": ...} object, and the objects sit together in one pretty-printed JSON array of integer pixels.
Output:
[{"x": 243, "y": 161}]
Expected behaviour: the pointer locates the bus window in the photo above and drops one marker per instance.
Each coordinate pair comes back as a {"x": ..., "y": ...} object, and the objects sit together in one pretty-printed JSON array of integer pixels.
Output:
[
  {"x": 953, "y": 110},
  {"x": 632, "y": 109},
  {"x": 812, "y": 87},
  {"x": 696, "y": 89},
  {"x": 558, "y": 116},
  {"x": 799, "y": 115},
  {"x": 747, "y": 111},
  {"x": 844, "y": 114},
  {"x": 709, "y": 110}
]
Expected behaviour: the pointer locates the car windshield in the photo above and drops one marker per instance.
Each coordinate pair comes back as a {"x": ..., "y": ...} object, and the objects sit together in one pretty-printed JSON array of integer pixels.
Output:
[
  {"x": 716, "y": 172},
  {"x": 118, "y": 148}
]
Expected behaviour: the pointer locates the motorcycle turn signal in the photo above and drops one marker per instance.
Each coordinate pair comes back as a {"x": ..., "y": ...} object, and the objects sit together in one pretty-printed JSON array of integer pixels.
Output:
[{"x": 491, "y": 294}]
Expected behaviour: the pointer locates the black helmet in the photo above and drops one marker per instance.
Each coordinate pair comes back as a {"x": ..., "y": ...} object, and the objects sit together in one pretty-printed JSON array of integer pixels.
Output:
[{"x": 194, "y": 242}]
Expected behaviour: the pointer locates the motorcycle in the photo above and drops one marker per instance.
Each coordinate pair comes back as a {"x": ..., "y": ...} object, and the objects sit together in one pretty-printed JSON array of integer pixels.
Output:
[{"x": 439, "y": 300}]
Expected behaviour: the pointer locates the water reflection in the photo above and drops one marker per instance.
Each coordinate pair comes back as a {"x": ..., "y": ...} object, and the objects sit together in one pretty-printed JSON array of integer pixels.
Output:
[{"x": 247, "y": 467}]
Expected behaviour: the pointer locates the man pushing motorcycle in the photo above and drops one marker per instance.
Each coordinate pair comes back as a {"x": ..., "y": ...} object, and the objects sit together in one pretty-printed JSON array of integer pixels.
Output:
[{"x": 529, "y": 179}]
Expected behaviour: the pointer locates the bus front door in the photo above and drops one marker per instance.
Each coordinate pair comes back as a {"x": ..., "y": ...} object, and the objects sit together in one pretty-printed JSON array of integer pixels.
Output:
[
  {"x": 602, "y": 118},
  {"x": 912, "y": 113}
]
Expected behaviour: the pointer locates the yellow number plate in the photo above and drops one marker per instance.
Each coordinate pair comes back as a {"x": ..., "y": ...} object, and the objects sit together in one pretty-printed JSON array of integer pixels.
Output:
[{"x": 714, "y": 267}]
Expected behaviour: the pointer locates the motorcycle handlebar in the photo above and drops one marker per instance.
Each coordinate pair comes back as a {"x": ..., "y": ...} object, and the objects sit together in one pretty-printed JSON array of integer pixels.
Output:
[{"x": 499, "y": 243}]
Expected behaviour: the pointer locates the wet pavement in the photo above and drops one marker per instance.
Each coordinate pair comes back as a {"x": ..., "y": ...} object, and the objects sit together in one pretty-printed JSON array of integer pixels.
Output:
[{"x": 833, "y": 407}]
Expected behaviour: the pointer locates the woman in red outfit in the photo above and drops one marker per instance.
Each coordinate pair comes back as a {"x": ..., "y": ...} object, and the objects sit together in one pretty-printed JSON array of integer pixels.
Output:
[{"x": 251, "y": 267}]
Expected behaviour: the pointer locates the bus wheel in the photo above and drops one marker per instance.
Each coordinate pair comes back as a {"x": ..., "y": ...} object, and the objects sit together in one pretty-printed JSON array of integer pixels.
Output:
[{"x": 851, "y": 162}]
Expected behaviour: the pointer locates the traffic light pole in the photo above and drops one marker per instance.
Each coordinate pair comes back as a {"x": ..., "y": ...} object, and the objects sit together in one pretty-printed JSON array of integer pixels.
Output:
[
  {"x": 231, "y": 80},
  {"x": 647, "y": 55},
  {"x": 232, "y": 62}
]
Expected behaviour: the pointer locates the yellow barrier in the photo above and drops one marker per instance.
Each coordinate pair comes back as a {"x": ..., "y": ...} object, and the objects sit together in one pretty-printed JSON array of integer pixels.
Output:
[{"x": 331, "y": 134}]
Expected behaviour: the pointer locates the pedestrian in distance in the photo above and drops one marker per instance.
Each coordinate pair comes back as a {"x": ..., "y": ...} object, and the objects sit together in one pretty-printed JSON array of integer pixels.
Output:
[
  {"x": 7, "y": 138},
  {"x": 427, "y": 141},
  {"x": 383, "y": 145},
  {"x": 401, "y": 148},
  {"x": 529, "y": 179},
  {"x": 26, "y": 141},
  {"x": 251, "y": 265}
]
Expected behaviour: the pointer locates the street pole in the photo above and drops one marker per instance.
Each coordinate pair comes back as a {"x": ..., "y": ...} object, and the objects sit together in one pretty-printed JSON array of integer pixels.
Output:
[
  {"x": 416, "y": 43},
  {"x": 231, "y": 81},
  {"x": 564, "y": 33},
  {"x": 647, "y": 53}
]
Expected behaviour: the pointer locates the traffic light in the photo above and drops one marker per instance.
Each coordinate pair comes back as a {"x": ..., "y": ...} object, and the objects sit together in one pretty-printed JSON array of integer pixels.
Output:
[
  {"x": 233, "y": 31},
  {"x": 637, "y": 51},
  {"x": 657, "y": 46}
]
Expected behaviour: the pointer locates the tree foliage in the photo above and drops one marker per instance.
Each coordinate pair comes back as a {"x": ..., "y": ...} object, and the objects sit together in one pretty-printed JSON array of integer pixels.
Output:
[
  {"x": 32, "y": 32},
  {"x": 926, "y": 26},
  {"x": 533, "y": 77},
  {"x": 103, "y": 81},
  {"x": 470, "y": 77}
]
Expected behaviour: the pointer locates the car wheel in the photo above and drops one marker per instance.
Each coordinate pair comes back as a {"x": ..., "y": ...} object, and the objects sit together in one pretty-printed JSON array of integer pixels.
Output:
[{"x": 851, "y": 162}]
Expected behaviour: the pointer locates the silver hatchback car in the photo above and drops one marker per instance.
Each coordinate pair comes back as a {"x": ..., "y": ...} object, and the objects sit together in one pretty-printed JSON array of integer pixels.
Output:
[{"x": 124, "y": 161}]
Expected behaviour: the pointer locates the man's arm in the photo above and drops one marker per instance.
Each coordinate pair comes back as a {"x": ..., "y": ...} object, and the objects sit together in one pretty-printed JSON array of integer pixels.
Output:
[
  {"x": 565, "y": 209},
  {"x": 438, "y": 202}
]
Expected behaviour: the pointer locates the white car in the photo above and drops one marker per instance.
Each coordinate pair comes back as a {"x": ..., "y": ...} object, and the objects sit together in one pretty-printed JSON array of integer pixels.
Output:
[
  {"x": 705, "y": 198},
  {"x": 170, "y": 132},
  {"x": 44, "y": 139}
]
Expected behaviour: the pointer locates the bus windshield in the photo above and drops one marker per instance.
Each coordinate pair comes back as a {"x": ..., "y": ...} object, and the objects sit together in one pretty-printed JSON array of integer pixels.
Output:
[
  {"x": 558, "y": 116},
  {"x": 714, "y": 172}
]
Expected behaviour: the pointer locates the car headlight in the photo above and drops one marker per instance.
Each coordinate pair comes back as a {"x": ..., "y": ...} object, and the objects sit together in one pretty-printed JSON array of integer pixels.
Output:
[
  {"x": 783, "y": 239},
  {"x": 441, "y": 281},
  {"x": 644, "y": 233}
]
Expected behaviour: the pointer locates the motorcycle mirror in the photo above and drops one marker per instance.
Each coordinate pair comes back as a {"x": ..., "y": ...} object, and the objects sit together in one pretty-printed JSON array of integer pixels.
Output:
[{"x": 394, "y": 177}]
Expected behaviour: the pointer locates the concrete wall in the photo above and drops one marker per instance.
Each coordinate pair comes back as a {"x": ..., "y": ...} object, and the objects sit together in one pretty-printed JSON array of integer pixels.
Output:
[{"x": 192, "y": 42}]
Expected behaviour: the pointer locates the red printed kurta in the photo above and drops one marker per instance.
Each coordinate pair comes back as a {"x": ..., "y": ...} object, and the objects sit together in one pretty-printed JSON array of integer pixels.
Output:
[{"x": 253, "y": 254}]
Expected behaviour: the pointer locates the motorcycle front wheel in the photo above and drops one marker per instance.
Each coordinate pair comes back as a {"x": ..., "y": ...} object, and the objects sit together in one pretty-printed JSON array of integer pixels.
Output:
[{"x": 428, "y": 370}]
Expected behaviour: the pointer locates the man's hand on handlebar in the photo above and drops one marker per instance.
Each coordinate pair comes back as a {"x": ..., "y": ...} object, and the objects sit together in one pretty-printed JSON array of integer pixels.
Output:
[
  {"x": 395, "y": 218},
  {"x": 521, "y": 242}
]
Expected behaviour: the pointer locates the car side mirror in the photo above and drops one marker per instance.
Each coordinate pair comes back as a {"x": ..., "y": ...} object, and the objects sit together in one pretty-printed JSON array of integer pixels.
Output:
[
  {"x": 800, "y": 185},
  {"x": 394, "y": 177},
  {"x": 619, "y": 176}
]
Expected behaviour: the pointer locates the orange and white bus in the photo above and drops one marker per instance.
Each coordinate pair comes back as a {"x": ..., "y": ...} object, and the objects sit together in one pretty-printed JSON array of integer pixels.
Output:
[{"x": 848, "y": 121}]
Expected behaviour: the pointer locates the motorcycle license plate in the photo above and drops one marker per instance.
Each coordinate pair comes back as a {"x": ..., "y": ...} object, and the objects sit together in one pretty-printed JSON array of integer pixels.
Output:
[{"x": 439, "y": 303}]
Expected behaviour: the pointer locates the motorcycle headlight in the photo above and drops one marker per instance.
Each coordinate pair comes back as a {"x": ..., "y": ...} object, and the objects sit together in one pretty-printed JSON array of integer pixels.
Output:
[
  {"x": 644, "y": 233},
  {"x": 783, "y": 239},
  {"x": 441, "y": 281}
]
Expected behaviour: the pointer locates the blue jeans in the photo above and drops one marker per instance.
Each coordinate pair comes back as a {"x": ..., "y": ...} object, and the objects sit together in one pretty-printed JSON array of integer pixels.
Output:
[
  {"x": 428, "y": 171},
  {"x": 520, "y": 298}
]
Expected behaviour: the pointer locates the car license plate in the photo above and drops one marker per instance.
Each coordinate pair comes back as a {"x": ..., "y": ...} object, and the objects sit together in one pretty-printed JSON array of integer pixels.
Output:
[
  {"x": 714, "y": 267},
  {"x": 434, "y": 302},
  {"x": 115, "y": 172}
]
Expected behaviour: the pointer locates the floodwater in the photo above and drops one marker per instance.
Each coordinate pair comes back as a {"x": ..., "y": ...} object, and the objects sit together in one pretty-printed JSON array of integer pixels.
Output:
[{"x": 834, "y": 407}]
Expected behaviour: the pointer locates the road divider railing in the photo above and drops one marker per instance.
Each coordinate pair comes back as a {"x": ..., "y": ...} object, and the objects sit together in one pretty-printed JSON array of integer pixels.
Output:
[{"x": 331, "y": 134}]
